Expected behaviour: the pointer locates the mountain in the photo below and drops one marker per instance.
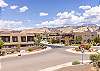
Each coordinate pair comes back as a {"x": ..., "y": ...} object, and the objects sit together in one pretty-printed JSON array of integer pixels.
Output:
[{"x": 89, "y": 24}]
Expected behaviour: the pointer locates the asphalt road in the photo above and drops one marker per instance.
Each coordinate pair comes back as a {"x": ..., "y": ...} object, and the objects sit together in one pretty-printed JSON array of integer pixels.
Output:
[{"x": 39, "y": 61}]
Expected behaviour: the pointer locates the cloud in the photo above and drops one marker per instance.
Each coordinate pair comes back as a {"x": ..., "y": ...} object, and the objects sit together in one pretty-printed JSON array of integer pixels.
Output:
[
  {"x": 3, "y": 4},
  {"x": 85, "y": 7},
  {"x": 23, "y": 9},
  {"x": 92, "y": 15},
  {"x": 63, "y": 19},
  {"x": 72, "y": 18},
  {"x": 13, "y": 7},
  {"x": 10, "y": 24},
  {"x": 43, "y": 14}
]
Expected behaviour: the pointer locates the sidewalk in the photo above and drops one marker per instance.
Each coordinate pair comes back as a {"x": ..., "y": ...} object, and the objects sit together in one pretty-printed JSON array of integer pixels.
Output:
[
  {"x": 26, "y": 53},
  {"x": 53, "y": 68},
  {"x": 85, "y": 67}
]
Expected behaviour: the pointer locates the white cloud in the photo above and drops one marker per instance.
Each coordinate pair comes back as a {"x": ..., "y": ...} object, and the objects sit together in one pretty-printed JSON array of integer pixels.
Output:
[
  {"x": 23, "y": 9},
  {"x": 3, "y": 4},
  {"x": 90, "y": 15},
  {"x": 85, "y": 7},
  {"x": 43, "y": 14},
  {"x": 10, "y": 24},
  {"x": 62, "y": 19},
  {"x": 13, "y": 7}
]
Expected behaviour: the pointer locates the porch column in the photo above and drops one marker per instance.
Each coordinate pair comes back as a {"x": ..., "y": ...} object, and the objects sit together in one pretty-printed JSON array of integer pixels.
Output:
[{"x": 10, "y": 38}]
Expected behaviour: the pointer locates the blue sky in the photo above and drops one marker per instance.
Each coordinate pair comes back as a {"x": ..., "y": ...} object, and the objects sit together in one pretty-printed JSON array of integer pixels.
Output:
[{"x": 33, "y": 13}]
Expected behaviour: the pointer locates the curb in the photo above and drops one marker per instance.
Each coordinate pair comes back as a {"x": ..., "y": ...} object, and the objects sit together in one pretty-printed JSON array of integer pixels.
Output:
[
  {"x": 53, "y": 68},
  {"x": 70, "y": 50},
  {"x": 15, "y": 55}
]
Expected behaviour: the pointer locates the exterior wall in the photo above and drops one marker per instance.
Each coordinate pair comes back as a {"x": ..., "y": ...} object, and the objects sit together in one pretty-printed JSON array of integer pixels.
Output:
[{"x": 11, "y": 43}]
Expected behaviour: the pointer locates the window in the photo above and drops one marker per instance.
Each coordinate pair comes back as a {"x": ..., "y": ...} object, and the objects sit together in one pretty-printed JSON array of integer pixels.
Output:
[
  {"x": 5, "y": 38},
  {"x": 30, "y": 38},
  {"x": 23, "y": 38},
  {"x": 14, "y": 38},
  {"x": 92, "y": 35}
]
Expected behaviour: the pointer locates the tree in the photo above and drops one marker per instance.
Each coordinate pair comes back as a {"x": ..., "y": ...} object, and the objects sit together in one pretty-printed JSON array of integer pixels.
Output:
[
  {"x": 78, "y": 39},
  {"x": 1, "y": 44},
  {"x": 18, "y": 47},
  {"x": 89, "y": 41},
  {"x": 38, "y": 39},
  {"x": 96, "y": 40}
]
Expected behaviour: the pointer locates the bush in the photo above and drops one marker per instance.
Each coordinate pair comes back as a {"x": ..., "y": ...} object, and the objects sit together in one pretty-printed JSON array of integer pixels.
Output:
[
  {"x": 66, "y": 44},
  {"x": 30, "y": 49},
  {"x": 94, "y": 57},
  {"x": 77, "y": 49},
  {"x": 44, "y": 47},
  {"x": 53, "y": 41},
  {"x": 2, "y": 53},
  {"x": 85, "y": 46},
  {"x": 98, "y": 64},
  {"x": 75, "y": 62},
  {"x": 12, "y": 51},
  {"x": 94, "y": 44}
]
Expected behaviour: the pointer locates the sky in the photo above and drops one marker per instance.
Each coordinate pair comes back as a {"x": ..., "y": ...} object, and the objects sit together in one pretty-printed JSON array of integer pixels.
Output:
[{"x": 25, "y": 14}]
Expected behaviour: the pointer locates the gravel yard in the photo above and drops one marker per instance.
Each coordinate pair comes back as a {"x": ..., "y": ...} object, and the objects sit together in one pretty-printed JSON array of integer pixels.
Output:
[{"x": 76, "y": 68}]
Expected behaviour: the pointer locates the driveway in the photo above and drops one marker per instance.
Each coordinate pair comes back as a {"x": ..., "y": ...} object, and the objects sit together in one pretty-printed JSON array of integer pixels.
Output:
[{"x": 36, "y": 62}]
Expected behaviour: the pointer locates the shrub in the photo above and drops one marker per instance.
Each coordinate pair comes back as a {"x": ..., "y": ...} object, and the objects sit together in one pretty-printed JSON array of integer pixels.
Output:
[
  {"x": 77, "y": 49},
  {"x": 87, "y": 47},
  {"x": 44, "y": 47},
  {"x": 98, "y": 64},
  {"x": 95, "y": 58},
  {"x": 94, "y": 44},
  {"x": 2, "y": 53},
  {"x": 30, "y": 49},
  {"x": 66, "y": 44},
  {"x": 12, "y": 51},
  {"x": 76, "y": 62}
]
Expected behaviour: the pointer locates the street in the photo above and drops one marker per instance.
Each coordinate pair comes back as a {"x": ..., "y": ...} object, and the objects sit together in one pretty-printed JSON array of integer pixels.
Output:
[{"x": 39, "y": 61}]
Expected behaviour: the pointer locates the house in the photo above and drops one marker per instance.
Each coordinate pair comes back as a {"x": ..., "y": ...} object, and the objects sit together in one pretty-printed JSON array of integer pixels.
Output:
[
  {"x": 86, "y": 33},
  {"x": 12, "y": 38}
]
